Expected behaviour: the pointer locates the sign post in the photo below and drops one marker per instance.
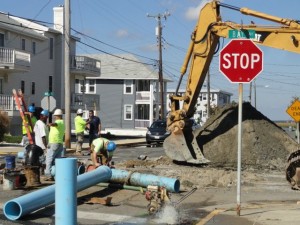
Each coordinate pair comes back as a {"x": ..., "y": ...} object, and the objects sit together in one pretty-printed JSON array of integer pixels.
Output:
[
  {"x": 294, "y": 112},
  {"x": 240, "y": 61}
]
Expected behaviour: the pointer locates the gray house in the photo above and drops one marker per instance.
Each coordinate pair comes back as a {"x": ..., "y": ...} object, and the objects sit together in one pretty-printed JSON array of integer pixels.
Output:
[{"x": 128, "y": 93}]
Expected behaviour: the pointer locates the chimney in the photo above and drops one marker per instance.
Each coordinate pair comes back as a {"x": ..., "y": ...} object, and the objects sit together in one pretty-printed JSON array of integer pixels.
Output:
[{"x": 58, "y": 13}]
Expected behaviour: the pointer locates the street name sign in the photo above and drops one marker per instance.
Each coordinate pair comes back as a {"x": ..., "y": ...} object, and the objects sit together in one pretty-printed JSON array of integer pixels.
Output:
[{"x": 241, "y": 34}]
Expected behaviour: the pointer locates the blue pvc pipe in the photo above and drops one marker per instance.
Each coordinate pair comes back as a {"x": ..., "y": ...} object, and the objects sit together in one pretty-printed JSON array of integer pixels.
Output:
[
  {"x": 18, "y": 207},
  {"x": 65, "y": 191},
  {"x": 138, "y": 179},
  {"x": 80, "y": 170}
]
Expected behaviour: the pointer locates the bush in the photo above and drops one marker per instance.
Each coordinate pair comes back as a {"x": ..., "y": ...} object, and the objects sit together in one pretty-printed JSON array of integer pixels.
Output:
[
  {"x": 12, "y": 139},
  {"x": 4, "y": 125}
]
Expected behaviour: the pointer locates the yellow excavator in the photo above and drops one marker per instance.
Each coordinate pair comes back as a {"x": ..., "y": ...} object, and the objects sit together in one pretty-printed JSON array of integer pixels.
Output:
[{"x": 182, "y": 145}]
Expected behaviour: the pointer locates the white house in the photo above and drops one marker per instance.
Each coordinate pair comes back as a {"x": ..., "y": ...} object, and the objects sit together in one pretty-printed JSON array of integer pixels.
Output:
[
  {"x": 32, "y": 59},
  {"x": 217, "y": 98}
]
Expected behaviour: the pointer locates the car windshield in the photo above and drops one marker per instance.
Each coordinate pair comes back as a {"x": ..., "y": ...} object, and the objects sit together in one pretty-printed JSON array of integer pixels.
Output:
[{"x": 158, "y": 125}]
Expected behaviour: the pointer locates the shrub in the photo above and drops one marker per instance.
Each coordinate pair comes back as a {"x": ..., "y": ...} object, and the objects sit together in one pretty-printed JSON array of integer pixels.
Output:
[
  {"x": 4, "y": 125},
  {"x": 12, "y": 139}
]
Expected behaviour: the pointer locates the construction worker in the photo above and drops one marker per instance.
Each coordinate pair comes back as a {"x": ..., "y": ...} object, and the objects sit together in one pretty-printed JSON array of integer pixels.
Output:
[
  {"x": 94, "y": 126},
  {"x": 80, "y": 125},
  {"x": 31, "y": 111},
  {"x": 56, "y": 140},
  {"x": 41, "y": 133},
  {"x": 104, "y": 149}
]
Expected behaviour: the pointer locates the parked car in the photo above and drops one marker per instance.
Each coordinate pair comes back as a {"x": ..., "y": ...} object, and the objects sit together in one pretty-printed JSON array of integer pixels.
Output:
[{"x": 157, "y": 132}]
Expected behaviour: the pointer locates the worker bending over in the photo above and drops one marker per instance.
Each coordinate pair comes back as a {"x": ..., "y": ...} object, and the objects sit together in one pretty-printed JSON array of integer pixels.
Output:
[{"x": 104, "y": 149}]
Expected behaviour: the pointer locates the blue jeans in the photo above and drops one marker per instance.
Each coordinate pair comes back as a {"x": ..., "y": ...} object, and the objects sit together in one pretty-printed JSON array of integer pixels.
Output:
[{"x": 54, "y": 151}]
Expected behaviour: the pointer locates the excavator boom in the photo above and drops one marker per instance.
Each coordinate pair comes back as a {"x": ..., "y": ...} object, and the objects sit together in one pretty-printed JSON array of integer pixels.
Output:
[{"x": 182, "y": 144}]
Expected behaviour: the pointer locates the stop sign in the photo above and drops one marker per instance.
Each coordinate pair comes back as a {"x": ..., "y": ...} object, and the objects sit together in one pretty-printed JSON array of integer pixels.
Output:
[{"x": 241, "y": 61}]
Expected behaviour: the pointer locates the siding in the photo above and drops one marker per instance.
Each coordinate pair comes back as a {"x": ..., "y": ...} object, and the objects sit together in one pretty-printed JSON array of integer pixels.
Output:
[{"x": 111, "y": 104}]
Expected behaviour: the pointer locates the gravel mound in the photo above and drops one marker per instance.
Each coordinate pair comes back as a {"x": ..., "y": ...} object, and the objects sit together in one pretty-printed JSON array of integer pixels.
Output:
[{"x": 264, "y": 144}]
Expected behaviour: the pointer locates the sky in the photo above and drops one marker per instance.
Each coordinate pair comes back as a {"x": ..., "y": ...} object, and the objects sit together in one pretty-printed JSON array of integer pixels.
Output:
[{"x": 128, "y": 26}]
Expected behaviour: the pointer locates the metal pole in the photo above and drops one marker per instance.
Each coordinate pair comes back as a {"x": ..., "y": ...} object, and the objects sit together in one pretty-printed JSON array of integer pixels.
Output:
[
  {"x": 67, "y": 31},
  {"x": 298, "y": 138},
  {"x": 239, "y": 155},
  {"x": 208, "y": 94}
]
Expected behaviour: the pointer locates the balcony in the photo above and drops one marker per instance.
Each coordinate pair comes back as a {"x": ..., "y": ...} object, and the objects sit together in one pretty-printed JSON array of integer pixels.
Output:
[
  {"x": 142, "y": 96},
  {"x": 85, "y": 101},
  {"x": 12, "y": 60},
  {"x": 86, "y": 66}
]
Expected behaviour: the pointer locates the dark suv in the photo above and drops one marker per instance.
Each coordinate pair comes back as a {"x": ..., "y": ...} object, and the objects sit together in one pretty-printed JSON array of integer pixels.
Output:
[{"x": 157, "y": 132}]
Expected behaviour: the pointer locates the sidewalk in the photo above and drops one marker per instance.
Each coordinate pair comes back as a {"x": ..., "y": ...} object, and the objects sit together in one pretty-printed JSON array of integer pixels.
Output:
[{"x": 7, "y": 148}]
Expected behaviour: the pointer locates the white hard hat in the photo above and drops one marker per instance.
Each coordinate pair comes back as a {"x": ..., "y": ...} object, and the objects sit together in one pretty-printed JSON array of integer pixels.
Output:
[
  {"x": 79, "y": 111},
  {"x": 58, "y": 112}
]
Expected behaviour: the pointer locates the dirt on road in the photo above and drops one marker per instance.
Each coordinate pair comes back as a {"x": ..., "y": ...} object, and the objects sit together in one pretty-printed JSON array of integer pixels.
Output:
[{"x": 265, "y": 148}]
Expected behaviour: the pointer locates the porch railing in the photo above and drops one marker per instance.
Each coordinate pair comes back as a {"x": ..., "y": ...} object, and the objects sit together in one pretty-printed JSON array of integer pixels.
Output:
[
  {"x": 143, "y": 95},
  {"x": 14, "y": 58},
  {"x": 139, "y": 123}
]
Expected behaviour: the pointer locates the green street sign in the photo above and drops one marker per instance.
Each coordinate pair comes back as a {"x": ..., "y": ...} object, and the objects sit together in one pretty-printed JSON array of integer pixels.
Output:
[
  {"x": 48, "y": 93},
  {"x": 250, "y": 34}
]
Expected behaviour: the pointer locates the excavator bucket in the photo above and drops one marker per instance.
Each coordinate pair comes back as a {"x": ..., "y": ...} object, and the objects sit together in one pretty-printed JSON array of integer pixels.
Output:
[{"x": 182, "y": 146}]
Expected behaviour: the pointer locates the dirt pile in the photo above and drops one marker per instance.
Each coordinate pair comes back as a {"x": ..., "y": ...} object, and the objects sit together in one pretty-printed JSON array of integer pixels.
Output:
[{"x": 264, "y": 144}]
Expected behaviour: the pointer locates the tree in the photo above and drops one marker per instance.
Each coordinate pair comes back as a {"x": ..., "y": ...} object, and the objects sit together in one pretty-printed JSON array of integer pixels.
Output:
[{"x": 4, "y": 124}]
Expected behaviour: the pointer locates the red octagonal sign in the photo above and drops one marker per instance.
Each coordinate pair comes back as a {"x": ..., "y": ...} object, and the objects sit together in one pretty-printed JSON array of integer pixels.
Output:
[{"x": 241, "y": 61}]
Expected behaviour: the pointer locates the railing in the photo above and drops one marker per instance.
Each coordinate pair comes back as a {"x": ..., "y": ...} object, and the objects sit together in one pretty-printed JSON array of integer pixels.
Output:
[
  {"x": 14, "y": 58},
  {"x": 88, "y": 101},
  {"x": 142, "y": 95},
  {"x": 84, "y": 63},
  {"x": 6, "y": 103},
  {"x": 138, "y": 123}
]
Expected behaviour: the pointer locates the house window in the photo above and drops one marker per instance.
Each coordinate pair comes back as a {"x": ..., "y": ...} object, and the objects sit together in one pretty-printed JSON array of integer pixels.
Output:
[
  {"x": 80, "y": 85},
  {"x": 1, "y": 85},
  {"x": 50, "y": 84},
  {"x": 143, "y": 85},
  {"x": 128, "y": 86},
  {"x": 142, "y": 111},
  {"x": 23, "y": 86},
  {"x": 33, "y": 88},
  {"x": 90, "y": 86},
  {"x": 1, "y": 40},
  {"x": 51, "y": 48},
  {"x": 23, "y": 44},
  {"x": 127, "y": 112},
  {"x": 33, "y": 47}
]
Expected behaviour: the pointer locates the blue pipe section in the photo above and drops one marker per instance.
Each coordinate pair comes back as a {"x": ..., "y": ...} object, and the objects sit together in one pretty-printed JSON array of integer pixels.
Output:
[
  {"x": 138, "y": 179},
  {"x": 65, "y": 191},
  {"x": 18, "y": 207}
]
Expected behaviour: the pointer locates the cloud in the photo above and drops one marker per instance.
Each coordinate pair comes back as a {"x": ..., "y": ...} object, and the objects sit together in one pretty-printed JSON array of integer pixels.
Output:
[{"x": 122, "y": 33}]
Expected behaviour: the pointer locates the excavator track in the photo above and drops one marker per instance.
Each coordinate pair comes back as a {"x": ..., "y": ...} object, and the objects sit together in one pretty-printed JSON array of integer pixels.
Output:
[{"x": 293, "y": 170}]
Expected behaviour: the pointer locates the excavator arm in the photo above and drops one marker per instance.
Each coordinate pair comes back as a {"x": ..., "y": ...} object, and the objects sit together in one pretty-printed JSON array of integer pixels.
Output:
[{"x": 182, "y": 145}]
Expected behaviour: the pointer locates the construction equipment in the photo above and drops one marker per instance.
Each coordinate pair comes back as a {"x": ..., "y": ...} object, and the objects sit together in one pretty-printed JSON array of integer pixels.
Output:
[
  {"x": 21, "y": 105},
  {"x": 293, "y": 170},
  {"x": 157, "y": 197},
  {"x": 182, "y": 144}
]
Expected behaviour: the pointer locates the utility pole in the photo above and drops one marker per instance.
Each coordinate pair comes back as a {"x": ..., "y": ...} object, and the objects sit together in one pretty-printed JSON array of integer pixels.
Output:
[
  {"x": 160, "y": 73},
  {"x": 67, "y": 74},
  {"x": 250, "y": 93},
  {"x": 208, "y": 93}
]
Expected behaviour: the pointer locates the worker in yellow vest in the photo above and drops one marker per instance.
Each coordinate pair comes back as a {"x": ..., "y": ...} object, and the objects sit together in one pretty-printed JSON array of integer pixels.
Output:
[{"x": 31, "y": 111}]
